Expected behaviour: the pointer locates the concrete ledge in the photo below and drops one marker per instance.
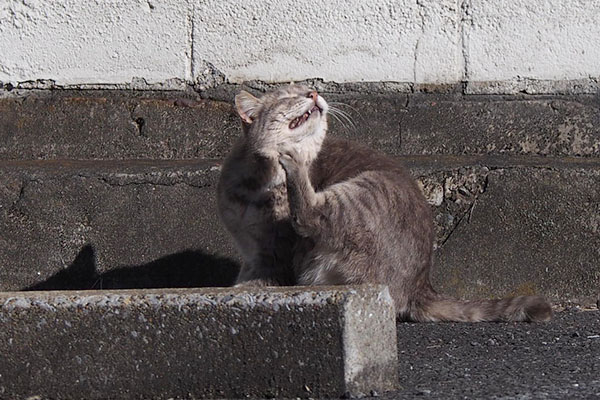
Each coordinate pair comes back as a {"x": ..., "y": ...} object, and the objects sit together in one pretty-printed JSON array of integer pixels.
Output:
[
  {"x": 115, "y": 126},
  {"x": 555, "y": 126},
  {"x": 139, "y": 125},
  {"x": 277, "y": 342},
  {"x": 505, "y": 225}
]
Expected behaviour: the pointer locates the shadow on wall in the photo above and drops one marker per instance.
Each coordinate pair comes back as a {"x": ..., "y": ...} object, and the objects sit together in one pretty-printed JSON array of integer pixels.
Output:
[{"x": 191, "y": 268}]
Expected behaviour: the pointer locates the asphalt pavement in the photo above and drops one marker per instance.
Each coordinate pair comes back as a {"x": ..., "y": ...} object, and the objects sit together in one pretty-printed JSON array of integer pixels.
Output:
[{"x": 559, "y": 359}]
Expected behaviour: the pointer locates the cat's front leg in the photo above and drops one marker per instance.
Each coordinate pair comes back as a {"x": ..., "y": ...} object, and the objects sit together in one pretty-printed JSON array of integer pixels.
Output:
[{"x": 305, "y": 204}]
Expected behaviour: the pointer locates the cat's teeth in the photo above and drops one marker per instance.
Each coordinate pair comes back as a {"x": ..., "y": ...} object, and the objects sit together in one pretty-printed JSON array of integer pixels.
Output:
[{"x": 301, "y": 119}]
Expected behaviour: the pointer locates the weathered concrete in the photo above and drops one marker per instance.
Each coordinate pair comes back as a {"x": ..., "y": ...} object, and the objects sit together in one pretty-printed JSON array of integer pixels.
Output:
[
  {"x": 88, "y": 126},
  {"x": 493, "y": 46},
  {"x": 520, "y": 85},
  {"x": 120, "y": 125},
  {"x": 96, "y": 216},
  {"x": 225, "y": 343},
  {"x": 505, "y": 225},
  {"x": 382, "y": 40},
  {"x": 74, "y": 42},
  {"x": 516, "y": 230},
  {"x": 550, "y": 40},
  {"x": 513, "y": 181},
  {"x": 557, "y": 126},
  {"x": 455, "y": 361}
]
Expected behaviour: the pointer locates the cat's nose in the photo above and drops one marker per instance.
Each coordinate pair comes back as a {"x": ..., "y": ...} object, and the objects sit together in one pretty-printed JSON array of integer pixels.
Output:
[{"x": 313, "y": 95}]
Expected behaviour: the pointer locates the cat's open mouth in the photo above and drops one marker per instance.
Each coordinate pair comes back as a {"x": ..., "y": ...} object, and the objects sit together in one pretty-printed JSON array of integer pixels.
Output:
[{"x": 296, "y": 122}]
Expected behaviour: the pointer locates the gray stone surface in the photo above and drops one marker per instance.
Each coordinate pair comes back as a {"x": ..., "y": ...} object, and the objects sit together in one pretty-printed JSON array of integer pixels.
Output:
[
  {"x": 224, "y": 343},
  {"x": 179, "y": 125},
  {"x": 504, "y": 225},
  {"x": 111, "y": 225},
  {"x": 510, "y": 361},
  {"x": 559, "y": 126},
  {"x": 512, "y": 178},
  {"x": 520, "y": 85},
  {"x": 105, "y": 125},
  {"x": 521, "y": 230}
]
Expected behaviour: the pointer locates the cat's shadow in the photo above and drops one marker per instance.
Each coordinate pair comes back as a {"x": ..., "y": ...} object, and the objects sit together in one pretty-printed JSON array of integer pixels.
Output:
[{"x": 192, "y": 268}]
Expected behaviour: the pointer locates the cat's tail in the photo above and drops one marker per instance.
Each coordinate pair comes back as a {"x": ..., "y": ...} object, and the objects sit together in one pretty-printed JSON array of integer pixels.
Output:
[{"x": 522, "y": 308}]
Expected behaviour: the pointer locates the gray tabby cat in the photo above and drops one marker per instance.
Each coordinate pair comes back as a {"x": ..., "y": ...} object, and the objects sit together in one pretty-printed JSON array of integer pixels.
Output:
[{"x": 309, "y": 210}]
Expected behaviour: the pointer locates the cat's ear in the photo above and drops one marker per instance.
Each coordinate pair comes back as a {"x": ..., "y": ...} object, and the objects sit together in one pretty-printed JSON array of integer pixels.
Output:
[{"x": 247, "y": 106}]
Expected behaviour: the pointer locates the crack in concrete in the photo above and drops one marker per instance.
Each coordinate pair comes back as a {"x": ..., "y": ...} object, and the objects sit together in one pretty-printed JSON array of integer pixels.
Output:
[
  {"x": 192, "y": 39},
  {"x": 20, "y": 196},
  {"x": 15, "y": 210},
  {"x": 466, "y": 191},
  {"x": 465, "y": 18},
  {"x": 179, "y": 182},
  {"x": 422, "y": 10},
  {"x": 441, "y": 245}
]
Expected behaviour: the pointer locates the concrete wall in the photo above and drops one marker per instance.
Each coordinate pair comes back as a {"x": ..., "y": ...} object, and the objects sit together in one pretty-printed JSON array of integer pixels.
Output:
[{"x": 496, "y": 46}]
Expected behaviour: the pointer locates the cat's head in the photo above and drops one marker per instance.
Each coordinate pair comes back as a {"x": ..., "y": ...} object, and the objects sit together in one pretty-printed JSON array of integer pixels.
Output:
[{"x": 293, "y": 116}]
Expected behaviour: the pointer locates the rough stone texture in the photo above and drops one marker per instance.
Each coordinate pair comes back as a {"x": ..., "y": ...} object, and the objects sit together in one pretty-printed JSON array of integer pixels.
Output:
[
  {"x": 550, "y": 40},
  {"x": 502, "y": 229},
  {"x": 93, "y": 42},
  {"x": 531, "y": 47},
  {"x": 520, "y": 85},
  {"x": 119, "y": 125},
  {"x": 512, "y": 179},
  {"x": 68, "y": 223},
  {"x": 516, "y": 361},
  {"x": 229, "y": 343},
  {"x": 540, "y": 46},
  {"x": 560, "y": 126},
  {"x": 115, "y": 127},
  {"x": 513, "y": 231},
  {"x": 370, "y": 357}
]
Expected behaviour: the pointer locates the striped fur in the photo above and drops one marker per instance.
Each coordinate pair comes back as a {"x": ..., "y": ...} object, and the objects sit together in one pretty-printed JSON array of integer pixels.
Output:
[{"x": 309, "y": 210}]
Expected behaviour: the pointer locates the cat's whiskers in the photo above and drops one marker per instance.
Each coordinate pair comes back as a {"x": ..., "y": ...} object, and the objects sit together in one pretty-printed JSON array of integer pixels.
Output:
[
  {"x": 342, "y": 123},
  {"x": 346, "y": 116},
  {"x": 342, "y": 117},
  {"x": 337, "y": 105}
]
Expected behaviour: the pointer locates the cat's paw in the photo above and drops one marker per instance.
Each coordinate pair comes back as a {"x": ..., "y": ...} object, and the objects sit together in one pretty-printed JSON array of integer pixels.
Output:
[
  {"x": 289, "y": 160},
  {"x": 253, "y": 283}
]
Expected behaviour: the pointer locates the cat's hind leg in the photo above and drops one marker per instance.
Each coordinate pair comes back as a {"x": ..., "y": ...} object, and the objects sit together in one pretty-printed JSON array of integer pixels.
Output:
[{"x": 345, "y": 223}]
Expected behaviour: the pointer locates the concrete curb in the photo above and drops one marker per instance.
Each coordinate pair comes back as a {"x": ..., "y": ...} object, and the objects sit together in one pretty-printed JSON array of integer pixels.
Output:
[{"x": 168, "y": 343}]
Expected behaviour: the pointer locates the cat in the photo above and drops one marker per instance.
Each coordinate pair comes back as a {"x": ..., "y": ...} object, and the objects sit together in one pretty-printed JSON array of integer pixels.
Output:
[{"x": 308, "y": 209}]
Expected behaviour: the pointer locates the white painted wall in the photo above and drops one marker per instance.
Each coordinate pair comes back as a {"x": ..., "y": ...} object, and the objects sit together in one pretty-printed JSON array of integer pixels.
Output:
[
  {"x": 510, "y": 43},
  {"x": 82, "y": 41}
]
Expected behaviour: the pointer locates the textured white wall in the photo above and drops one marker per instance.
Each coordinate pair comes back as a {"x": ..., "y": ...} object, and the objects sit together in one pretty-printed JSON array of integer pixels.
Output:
[
  {"x": 543, "y": 39},
  {"x": 87, "y": 41},
  {"x": 421, "y": 41},
  {"x": 337, "y": 40}
]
